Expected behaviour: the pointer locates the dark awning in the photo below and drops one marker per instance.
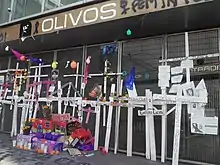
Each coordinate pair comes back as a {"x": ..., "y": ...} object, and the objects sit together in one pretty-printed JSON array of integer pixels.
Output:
[{"x": 194, "y": 17}]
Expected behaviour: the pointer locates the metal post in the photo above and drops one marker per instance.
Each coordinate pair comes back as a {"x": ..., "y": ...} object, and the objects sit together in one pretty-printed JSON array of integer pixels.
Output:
[
  {"x": 3, "y": 108},
  {"x": 12, "y": 7},
  {"x": 187, "y": 55},
  {"x": 164, "y": 107},
  {"x": 177, "y": 129},
  {"x": 219, "y": 74},
  {"x": 55, "y": 56},
  {"x": 187, "y": 80},
  {"x": 43, "y": 5},
  {"x": 118, "y": 109},
  {"x": 54, "y": 59},
  {"x": 82, "y": 91}
]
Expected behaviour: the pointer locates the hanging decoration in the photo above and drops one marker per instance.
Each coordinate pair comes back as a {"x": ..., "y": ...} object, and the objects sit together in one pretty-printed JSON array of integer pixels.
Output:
[
  {"x": 96, "y": 91},
  {"x": 130, "y": 79},
  {"x": 67, "y": 64},
  {"x": 17, "y": 54},
  {"x": 54, "y": 74},
  {"x": 7, "y": 48},
  {"x": 9, "y": 78},
  {"x": 34, "y": 60},
  {"x": 109, "y": 49},
  {"x": 22, "y": 57},
  {"x": 73, "y": 64},
  {"x": 54, "y": 65},
  {"x": 55, "y": 71},
  {"x": 86, "y": 70}
]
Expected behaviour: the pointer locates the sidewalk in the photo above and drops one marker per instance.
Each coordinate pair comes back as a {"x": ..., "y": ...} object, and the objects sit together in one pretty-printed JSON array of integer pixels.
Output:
[{"x": 12, "y": 156}]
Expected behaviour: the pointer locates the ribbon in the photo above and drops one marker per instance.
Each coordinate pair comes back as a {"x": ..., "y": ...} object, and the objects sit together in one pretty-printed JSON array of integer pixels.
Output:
[
  {"x": 195, "y": 126},
  {"x": 36, "y": 27}
]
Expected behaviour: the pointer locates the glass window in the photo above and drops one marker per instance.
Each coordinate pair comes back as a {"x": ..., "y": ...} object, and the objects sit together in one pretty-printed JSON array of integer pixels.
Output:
[
  {"x": 67, "y": 2},
  {"x": 51, "y": 4},
  {"x": 24, "y": 8},
  {"x": 4, "y": 12}
]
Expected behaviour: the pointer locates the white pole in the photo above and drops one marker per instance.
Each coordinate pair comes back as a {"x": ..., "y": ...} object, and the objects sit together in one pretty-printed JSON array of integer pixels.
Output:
[
  {"x": 177, "y": 129},
  {"x": 76, "y": 85},
  {"x": 67, "y": 96},
  {"x": 118, "y": 121},
  {"x": 14, "y": 97},
  {"x": 187, "y": 55},
  {"x": 31, "y": 96},
  {"x": 109, "y": 120},
  {"x": 164, "y": 127},
  {"x": 94, "y": 75},
  {"x": 15, "y": 80},
  {"x": 151, "y": 130},
  {"x": 38, "y": 93},
  {"x": 79, "y": 113},
  {"x": 22, "y": 118},
  {"x": 147, "y": 127},
  {"x": 131, "y": 93},
  {"x": 105, "y": 86},
  {"x": 164, "y": 117},
  {"x": 20, "y": 82},
  {"x": 59, "y": 98},
  {"x": 14, "y": 125},
  {"x": 97, "y": 126}
]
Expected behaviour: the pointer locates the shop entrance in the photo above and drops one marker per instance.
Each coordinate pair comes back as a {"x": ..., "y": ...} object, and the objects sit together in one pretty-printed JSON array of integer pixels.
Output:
[{"x": 144, "y": 55}]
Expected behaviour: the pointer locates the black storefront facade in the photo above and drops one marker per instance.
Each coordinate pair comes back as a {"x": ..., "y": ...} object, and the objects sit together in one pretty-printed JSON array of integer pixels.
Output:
[{"x": 154, "y": 36}]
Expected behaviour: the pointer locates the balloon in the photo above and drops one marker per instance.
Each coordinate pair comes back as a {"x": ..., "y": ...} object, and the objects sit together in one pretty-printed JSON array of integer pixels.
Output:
[
  {"x": 73, "y": 64},
  {"x": 124, "y": 73},
  {"x": 54, "y": 65},
  {"x": 7, "y": 48},
  {"x": 22, "y": 58},
  {"x": 88, "y": 60},
  {"x": 16, "y": 54}
]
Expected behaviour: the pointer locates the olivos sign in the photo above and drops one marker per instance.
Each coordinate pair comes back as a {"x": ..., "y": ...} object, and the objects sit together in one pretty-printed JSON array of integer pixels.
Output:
[
  {"x": 82, "y": 17},
  {"x": 108, "y": 11},
  {"x": 101, "y": 12}
]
